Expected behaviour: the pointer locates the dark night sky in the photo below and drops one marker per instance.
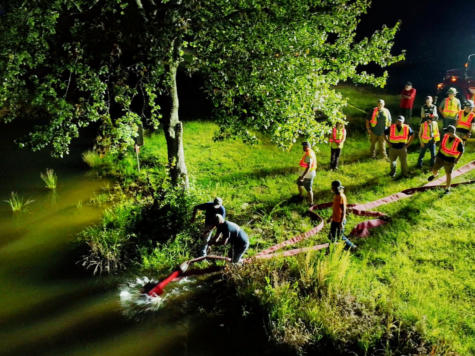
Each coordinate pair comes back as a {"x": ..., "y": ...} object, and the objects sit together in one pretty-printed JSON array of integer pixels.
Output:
[{"x": 437, "y": 35}]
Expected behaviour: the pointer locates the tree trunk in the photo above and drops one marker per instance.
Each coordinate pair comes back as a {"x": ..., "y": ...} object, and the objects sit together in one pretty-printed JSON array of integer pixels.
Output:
[{"x": 173, "y": 130}]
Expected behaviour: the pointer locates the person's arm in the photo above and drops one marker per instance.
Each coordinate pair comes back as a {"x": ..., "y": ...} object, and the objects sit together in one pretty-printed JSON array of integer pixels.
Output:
[
  {"x": 421, "y": 128},
  {"x": 441, "y": 107},
  {"x": 306, "y": 170},
  {"x": 411, "y": 137},
  {"x": 461, "y": 150},
  {"x": 343, "y": 211},
  {"x": 195, "y": 210},
  {"x": 367, "y": 126},
  {"x": 223, "y": 210},
  {"x": 343, "y": 139},
  {"x": 435, "y": 116},
  {"x": 386, "y": 133},
  {"x": 390, "y": 119}
]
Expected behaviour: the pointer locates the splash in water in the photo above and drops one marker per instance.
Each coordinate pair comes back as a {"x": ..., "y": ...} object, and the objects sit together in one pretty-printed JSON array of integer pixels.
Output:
[{"x": 135, "y": 300}]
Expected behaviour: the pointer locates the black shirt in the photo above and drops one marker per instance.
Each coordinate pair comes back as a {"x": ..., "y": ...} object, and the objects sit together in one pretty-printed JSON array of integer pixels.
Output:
[{"x": 232, "y": 232}]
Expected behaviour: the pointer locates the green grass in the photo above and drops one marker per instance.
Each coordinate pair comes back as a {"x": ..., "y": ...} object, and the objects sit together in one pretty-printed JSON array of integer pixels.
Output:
[
  {"x": 409, "y": 285},
  {"x": 18, "y": 203},
  {"x": 49, "y": 178}
]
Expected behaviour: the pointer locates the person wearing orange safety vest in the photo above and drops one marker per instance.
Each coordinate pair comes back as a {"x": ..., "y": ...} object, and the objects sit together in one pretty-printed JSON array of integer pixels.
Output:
[
  {"x": 450, "y": 151},
  {"x": 399, "y": 136},
  {"x": 428, "y": 136},
  {"x": 464, "y": 121},
  {"x": 309, "y": 167},
  {"x": 337, "y": 139},
  {"x": 449, "y": 108},
  {"x": 378, "y": 121}
]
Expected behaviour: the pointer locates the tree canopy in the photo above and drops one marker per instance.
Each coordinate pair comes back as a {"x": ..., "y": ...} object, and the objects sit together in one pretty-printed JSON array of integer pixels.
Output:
[{"x": 268, "y": 66}]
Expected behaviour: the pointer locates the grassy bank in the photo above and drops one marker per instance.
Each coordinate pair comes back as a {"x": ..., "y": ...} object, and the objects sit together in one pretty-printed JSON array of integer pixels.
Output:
[{"x": 410, "y": 284}]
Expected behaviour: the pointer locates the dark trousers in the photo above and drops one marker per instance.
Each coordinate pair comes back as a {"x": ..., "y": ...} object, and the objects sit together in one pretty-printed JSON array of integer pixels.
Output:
[
  {"x": 337, "y": 233},
  {"x": 335, "y": 156},
  {"x": 427, "y": 146},
  {"x": 407, "y": 113}
]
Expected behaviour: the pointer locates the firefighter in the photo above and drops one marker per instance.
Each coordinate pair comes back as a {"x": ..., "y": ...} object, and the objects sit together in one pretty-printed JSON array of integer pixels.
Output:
[
  {"x": 337, "y": 139},
  {"x": 449, "y": 108},
  {"x": 399, "y": 136},
  {"x": 464, "y": 121},
  {"x": 450, "y": 150},
  {"x": 378, "y": 121},
  {"x": 309, "y": 165},
  {"x": 428, "y": 136}
]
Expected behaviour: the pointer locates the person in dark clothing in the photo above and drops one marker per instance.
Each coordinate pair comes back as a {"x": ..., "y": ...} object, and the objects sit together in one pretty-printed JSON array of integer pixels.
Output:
[
  {"x": 429, "y": 110},
  {"x": 233, "y": 234},
  {"x": 450, "y": 151},
  {"x": 211, "y": 209}
]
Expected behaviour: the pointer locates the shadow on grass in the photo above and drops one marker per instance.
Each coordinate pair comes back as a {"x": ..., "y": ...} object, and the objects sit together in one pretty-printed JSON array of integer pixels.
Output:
[{"x": 256, "y": 174}]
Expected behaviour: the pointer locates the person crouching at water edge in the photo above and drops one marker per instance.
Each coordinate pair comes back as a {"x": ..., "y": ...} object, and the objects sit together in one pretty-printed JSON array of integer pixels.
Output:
[
  {"x": 211, "y": 209},
  {"x": 309, "y": 164},
  {"x": 338, "y": 218},
  {"x": 231, "y": 233}
]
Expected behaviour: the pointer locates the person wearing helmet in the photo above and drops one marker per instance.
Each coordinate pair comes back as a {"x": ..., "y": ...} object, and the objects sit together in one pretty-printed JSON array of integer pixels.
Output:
[
  {"x": 338, "y": 218},
  {"x": 465, "y": 120},
  {"x": 449, "y": 108},
  {"x": 210, "y": 209}
]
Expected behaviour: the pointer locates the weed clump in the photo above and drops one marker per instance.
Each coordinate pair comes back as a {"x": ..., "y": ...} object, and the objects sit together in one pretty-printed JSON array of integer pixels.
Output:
[
  {"x": 17, "y": 203},
  {"x": 49, "y": 178}
]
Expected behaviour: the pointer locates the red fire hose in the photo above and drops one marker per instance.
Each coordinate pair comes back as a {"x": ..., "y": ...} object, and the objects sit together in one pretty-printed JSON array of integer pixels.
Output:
[{"x": 360, "y": 230}]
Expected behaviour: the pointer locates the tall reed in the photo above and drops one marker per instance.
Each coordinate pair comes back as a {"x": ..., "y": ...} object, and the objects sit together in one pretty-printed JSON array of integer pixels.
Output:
[
  {"x": 49, "y": 178},
  {"x": 17, "y": 203}
]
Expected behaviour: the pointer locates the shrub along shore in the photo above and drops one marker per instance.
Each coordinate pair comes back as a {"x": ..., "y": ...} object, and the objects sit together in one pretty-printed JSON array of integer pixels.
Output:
[{"x": 408, "y": 289}]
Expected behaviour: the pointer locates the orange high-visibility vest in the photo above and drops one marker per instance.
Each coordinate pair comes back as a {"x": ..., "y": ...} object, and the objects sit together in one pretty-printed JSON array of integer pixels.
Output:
[
  {"x": 465, "y": 121},
  {"x": 373, "y": 122},
  {"x": 337, "y": 135},
  {"x": 425, "y": 137},
  {"x": 451, "y": 151},
  {"x": 395, "y": 137},
  {"x": 450, "y": 107},
  {"x": 311, "y": 153}
]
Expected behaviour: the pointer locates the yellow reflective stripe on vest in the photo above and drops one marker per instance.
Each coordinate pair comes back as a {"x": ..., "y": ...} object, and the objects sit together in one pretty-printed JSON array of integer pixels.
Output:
[
  {"x": 394, "y": 137},
  {"x": 451, "y": 151},
  {"x": 450, "y": 107},
  {"x": 313, "y": 157},
  {"x": 425, "y": 137},
  {"x": 465, "y": 121}
]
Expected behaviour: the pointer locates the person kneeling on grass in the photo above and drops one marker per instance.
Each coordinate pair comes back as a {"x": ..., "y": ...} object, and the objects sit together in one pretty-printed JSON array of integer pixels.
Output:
[
  {"x": 450, "y": 151},
  {"x": 309, "y": 164},
  {"x": 231, "y": 233},
  {"x": 338, "y": 218}
]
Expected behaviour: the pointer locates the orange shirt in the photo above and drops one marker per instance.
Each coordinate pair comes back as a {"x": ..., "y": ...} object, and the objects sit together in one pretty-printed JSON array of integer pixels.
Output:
[{"x": 338, "y": 201}]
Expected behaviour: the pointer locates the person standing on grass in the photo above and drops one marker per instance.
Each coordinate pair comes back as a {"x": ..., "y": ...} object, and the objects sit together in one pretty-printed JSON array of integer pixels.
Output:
[
  {"x": 338, "y": 218},
  {"x": 428, "y": 136},
  {"x": 309, "y": 165},
  {"x": 337, "y": 139},
  {"x": 450, "y": 151},
  {"x": 210, "y": 209},
  {"x": 231, "y": 233},
  {"x": 399, "y": 136},
  {"x": 449, "y": 108},
  {"x": 429, "y": 110},
  {"x": 379, "y": 119},
  {"x": 408, "y": 95},
  {"x": 464, "y": 121}
]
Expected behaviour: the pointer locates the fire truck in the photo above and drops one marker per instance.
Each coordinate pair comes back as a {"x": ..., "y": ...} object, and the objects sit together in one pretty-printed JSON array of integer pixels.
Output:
[{"x": 462, "y": 79}]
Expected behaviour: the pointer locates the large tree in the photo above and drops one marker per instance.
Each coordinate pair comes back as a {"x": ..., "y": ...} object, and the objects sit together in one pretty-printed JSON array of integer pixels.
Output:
[{"x": 269, "y": 66}]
